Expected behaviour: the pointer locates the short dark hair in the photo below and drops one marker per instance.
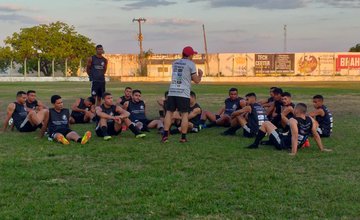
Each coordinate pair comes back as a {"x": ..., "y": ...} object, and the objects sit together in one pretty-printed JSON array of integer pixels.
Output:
[
  {"x": 136, "y": 91},
  {"x": 54, "y": 98},
  {"x": 277, "y": 91},
  {"x": 105, "y": 94},
  {"x": 30, "y": 91},
  {"x": 287, "y": 94},
  {"x": 91, "y": 99},
  {"x": 127, "y": 87},
  {"x": 272, "y": 88},
  {"x": 99, "y": 46},
  {"x": 251, "y": 94},
  {"x": 20, "y": 93},
  {"x": 318, "y": 97},
  {"x": 192, "y": 93},
  {"x": 302, "y": 107},
  {"x": 233, "y": 90}
]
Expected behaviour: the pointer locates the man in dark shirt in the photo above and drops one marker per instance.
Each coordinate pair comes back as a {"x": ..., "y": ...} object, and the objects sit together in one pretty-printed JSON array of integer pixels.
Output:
[
  {"x": 59, "y": 125},
  {"x": 96, "y": 69},
  {"x": 23, "y": 120},
  {"x": 32, "y": 103},
  {"x": 83, "y": 110},
  {"x": 323, "y": 116},
  {"x": 126, "y": 97}
]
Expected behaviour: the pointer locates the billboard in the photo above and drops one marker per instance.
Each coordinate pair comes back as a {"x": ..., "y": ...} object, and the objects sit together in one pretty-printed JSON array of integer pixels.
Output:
[
  {"x": 347, "y": 61},
  {"x": 274, "y": 64}
]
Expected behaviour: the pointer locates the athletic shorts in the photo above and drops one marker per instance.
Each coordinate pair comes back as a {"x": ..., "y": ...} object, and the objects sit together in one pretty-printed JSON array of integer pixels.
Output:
[
  {"x": 79, "y": 118},
  {"x": 281, "y": 142},
  {"x": 181, "y": 104},
  {"x": 27, "y": 127},
  {"x": 97, "y": 88},
  {"x": 110, "y": 130},
  {"x": 60, "y": 131},
  {"x": 145, "y": 123},
  {"x": 323, "y": 133}
]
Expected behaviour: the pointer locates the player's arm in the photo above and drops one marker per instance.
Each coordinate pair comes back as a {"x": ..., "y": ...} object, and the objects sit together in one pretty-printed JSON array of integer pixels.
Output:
[
  {"x": 242, "y": 103},
  {"x": 102, "y": 114},
  {"x": 194, "y": 113},
  {"x": 123, "y": 113},
  {"x": 161, "y": 101},
  {"x": 125, "y": 105},
  {"x": 41, "y": 105},
  {"x": 88, "y": 66},
  {"x": 197, "y": 77},
  {"x": 271, "y": 108},
  {"x": 317, "y": 112},
  {"x": 246, "y": 109},
  {"x": 294, "y": 136},
  {"x": 221, "y": 110},
  {"x": 105, "y": 66},
  {"x": 75, "y": 108},
  {"x": 317, "y": 137},
  {"x": 10, "y": 111}
]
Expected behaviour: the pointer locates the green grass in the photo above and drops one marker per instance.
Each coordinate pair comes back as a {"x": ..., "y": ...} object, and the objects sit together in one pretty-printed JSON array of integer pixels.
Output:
[{"x": 211, "y": 177}]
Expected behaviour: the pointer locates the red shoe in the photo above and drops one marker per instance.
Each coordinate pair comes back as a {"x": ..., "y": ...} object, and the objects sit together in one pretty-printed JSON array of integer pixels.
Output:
[
  {"x": 183, "y": 140},
  {"x": 165, "y": 139},
  {"x": 124, "y": 128},
  {"x": 306, "y": 144}
]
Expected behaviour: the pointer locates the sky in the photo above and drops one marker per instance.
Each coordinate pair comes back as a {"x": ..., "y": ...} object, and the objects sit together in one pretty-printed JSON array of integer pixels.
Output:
[{"x": 232, "y": 26}]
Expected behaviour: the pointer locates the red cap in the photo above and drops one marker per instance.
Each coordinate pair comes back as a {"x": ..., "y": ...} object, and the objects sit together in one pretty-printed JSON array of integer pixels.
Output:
[{"x": 188, "y": 51}]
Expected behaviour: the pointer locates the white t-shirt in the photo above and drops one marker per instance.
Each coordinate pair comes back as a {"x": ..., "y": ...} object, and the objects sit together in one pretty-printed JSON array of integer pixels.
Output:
[{"x": 182, "y": 70}]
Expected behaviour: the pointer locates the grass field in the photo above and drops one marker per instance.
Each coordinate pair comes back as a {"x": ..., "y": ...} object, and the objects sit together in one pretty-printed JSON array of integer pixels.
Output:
[{"x": 210, "y": 177}]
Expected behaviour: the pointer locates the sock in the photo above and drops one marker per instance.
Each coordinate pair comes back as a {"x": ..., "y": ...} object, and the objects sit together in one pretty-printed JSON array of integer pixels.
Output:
[
  {"x": 260, "y": 135},
  {"x": 202, "y": 121},
  {"x": 79, "y": 140},
  {"x": 166, "y": 133},
  {"x": 39, "y": 125},
  {"x": 183, "y": 136},
  {"x": 104, "y": 131},
  {"x": 233, "y": 129},
  {"x": 133, "y": 129},
  {"x": 174, "y": 131},
  {"x": 246, "y": 128}
]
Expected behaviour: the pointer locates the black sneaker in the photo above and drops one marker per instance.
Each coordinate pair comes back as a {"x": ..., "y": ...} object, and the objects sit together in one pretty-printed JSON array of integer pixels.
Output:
[{"x": 265, "y": 143}]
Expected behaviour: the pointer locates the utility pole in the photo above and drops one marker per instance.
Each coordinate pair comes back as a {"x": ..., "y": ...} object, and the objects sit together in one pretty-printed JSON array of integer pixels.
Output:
[
  {"x": 285, "y": 40},
  {"x": 206, "y": 53},
  {"x": 140, "y": 39}
]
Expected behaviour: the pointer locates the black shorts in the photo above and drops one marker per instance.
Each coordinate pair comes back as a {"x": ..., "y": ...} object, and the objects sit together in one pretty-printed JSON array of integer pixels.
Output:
[
  {"x": 61, "y": 131},
  {"x": 323, "y": 133},
  {"x": 181, "y": 104},
  {"x": 283, "y": 142},
  {"x": 97, "y": 88},
  {"x": 251, "y": 133},
  {"x": 27, "y": 127},
  {"x": 110, "y": 130},
  {"x": 79, "y": 118}
]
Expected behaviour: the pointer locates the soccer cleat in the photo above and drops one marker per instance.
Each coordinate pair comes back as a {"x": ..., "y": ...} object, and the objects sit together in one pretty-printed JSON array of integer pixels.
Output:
[
  {"x": 252, "y": 146},
  {"x": 140, "y": 135},
  {"x": 86, "y": 137},
  {"x": 124, "y": 128},
  {"x": 106, "y": 138},
  {"x": 306, "y": 144},
  {"x": 165, "y": 139},
  {"x": 60, "y": 138},
  {"x": 183, "y": 140}
]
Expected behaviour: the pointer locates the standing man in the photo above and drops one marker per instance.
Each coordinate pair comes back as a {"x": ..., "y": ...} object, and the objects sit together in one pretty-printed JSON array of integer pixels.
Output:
[
  {"x": 183, "y": 72},
  {"x": 96, "y": 69}
]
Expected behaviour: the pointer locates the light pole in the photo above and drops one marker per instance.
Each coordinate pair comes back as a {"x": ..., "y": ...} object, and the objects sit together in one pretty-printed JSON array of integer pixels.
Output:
[{"x": 140, "y": 39}]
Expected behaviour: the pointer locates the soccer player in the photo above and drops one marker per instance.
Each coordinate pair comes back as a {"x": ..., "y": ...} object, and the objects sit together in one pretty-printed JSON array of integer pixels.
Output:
[
  {"x": 267, "y": 103},
  {"x": 126, "y": 97},
  {"x": 110, "y": 117},
  {"x": 137, "y": 110},
  {"x": 59, "y": 125},
  {"x": 322, "y": 116},
  {"x": 250, "y": 118},
  {"x": 83, "y": 110},
  {"x": 25, "y": 121},
  {"x": 223, "y": 116},
  {"x": 32, "y": 103},
  {"x": 301, "y": 126},
  {"x": 183, "y": 72},
  {"x": 274, "y": 110},
  {"x": 96, "y": 69},
  {"x": 287, "y": 110}
]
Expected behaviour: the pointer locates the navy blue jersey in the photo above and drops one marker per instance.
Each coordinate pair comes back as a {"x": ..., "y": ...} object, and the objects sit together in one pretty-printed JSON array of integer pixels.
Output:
[
  {"x": 58, "y": 121},
  {"x": 231, "y": 105},
  {"x": 195, "y": 120},
  {"x": 110, "y": 111},
  {"x": 304, "y": 129},
  {"x": 80, "y": 106},
  {"x": 32, "y": 105},
  {"x": 97, "y": 69},
  {"x": 137, "y": 110},
  {"x": 124, "y": 99},
  {"x": 326, "y": 121},
  {"x": 256, "y": 117},
  {"x": 19, "y": 115}
]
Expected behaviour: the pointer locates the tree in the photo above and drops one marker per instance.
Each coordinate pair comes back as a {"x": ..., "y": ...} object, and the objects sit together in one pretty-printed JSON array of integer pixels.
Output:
[
  {"x": 55, "y": 41},
  {"x": 5, "y": 58},
  {"x": 355, "y": 48}
]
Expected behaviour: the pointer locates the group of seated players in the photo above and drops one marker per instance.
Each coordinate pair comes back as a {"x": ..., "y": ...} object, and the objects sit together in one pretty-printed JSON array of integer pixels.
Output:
[{"x": 288, "y": 125}]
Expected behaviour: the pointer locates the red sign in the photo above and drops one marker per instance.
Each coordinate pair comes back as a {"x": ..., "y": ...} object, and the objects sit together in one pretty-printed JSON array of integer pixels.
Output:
[{"x": 347, "y": 62}]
